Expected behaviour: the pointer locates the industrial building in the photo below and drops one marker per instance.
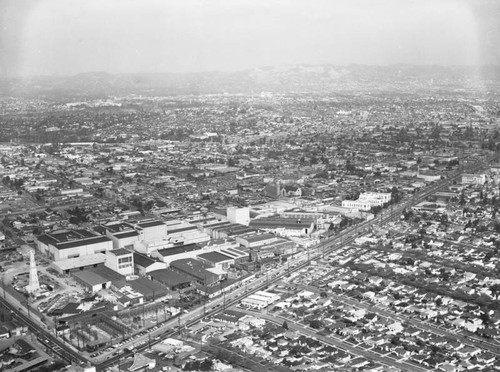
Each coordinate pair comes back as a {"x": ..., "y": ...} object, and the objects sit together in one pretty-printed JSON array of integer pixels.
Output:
[
  {"x": 121, "y": 261},
  {"x": 71, "y": 249},
  {"x": 260, "y": 300}
]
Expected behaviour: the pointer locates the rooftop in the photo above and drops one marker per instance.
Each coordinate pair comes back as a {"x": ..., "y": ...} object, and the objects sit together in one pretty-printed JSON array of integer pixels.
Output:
[
  {"x": 215, "y": 257},
  {"x": 145, "y": 225},
  {"x": 120, "y": 252},
  {"x": 177, "y": 250}
]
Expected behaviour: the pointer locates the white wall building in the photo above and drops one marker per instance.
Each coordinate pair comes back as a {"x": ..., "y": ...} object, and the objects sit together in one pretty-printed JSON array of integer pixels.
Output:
[
  {"x": 473, "y": 179},
  {"x": 357, "y": 205},
  {"x": 151, "y": 231},
  {"x": 367, "y": 200},
  {"x": 372, "y": 197},
  {"x": 121, "y": 261},
  {"x": 239, "y": 215},
  {"x": 57, "y": 248}
]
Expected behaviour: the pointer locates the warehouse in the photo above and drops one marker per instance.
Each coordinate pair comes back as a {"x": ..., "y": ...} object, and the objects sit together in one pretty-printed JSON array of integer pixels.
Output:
[
  {"x": 91, "y": 281},
  {"x": 196, "y": 270},
  {"x": 172, "y": 279},
  {"x": 260, "y": 300}
]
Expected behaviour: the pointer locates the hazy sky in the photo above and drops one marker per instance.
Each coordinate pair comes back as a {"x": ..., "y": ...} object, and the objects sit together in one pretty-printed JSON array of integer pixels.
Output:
[{"x": 45, "y": 37}]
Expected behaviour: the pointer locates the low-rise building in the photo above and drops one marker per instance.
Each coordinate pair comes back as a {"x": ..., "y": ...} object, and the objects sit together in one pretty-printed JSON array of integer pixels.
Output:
[
  {"x": 121, "y": 261},
  {"x": 473, "y": 179}
]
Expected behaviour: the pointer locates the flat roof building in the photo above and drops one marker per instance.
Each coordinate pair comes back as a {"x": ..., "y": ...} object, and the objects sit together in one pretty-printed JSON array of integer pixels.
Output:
[
  {"x": 216, "y": 260},
  {"x": 144, "y": 264},
  {"x": 196, "y": 270},
  {"x": 72, "y": 244},
  {"x": 121, "y": 261}
]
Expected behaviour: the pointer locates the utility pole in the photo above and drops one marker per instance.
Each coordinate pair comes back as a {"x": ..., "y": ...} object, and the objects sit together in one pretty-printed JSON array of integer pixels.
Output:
[
  {"x": 179, "y": 323},
  {"x": 204, "y": 307},
  {"x": 28, "y": 306}
]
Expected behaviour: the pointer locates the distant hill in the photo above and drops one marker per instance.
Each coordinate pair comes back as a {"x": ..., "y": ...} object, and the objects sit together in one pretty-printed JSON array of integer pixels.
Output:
[{"x": 284, "y": 79}]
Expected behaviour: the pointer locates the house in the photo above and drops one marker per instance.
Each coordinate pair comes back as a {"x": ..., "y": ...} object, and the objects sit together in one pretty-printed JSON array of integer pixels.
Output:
[
  {"x": 396, "y": 327},
  {"x": 144, "y": 264},
  {"x": 468, "y": 352},
  {"x": 473, "y": 179},
  {"x": 448, "y": 367},
  {"x": 291, "y": 191},
  {"x": 486, "y": 358},
  {"x": 359, "y": 362},
  {"x": 4, "y": 333}
]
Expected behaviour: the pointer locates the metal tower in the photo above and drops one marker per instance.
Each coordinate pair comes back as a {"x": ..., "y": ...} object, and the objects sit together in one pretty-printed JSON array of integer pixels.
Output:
[{"x": 33, "y": 285}]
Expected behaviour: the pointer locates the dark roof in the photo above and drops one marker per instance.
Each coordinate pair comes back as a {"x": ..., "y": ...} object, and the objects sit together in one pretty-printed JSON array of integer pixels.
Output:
[
  {"x": 23, "y": 347},
  {"x": 100, "y": 229},
  {"x": 84, "y": 233},
  {"x": 120, "y": 252},
  {"x": 215, "y": 257},
  {"x": 77, "y": 243},
  {"x": 148, "y": 288},
  {"x": 142, "y": 260},
  {"x": 170, "y": 277},
  {"x": 107, "y": 273},
  {"x": 144, "y": 225},
  {"x": 71, "y": 308},
  {"x": 195, "y": 269},
  {"x": 90, "y": 278},
  {"x": 65, "y": 236},
  {"x": 233, "y": 229},
  {"x": 222, "y": 212},
  {"x": 46, "y": 239},
  {"x": 289, "y": 223},
  {"x": 119, "y": 227},
  {"x": 219, "y": 224},
  {"x": 126, "y": 234},
  {"x": 177, "y": 250},
  {"x": 181, "y": 229},
  {"x": 258, "y": 237}
]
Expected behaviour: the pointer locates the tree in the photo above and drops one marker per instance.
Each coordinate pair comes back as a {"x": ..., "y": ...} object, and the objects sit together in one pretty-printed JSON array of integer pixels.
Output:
[
  {"x": 148, "y": 205},
  {"x": 485, "y": 316},
  {"x": 285, "y": 325},
  {"x": 206, "y": 365},
  {"x": 74, "y": 220},
  {"x": 316, "y": 324}
]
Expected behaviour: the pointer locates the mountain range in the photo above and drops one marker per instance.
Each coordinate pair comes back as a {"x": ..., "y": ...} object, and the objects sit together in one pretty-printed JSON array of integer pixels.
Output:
[{"x": 277, "y": 79}]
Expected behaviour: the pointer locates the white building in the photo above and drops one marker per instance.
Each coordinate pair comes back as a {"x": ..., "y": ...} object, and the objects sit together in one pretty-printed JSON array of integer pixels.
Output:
[
  {"x": 182, "y": 232},
  {"x": 256, "y": 240},
  {"x": 374, "y": 197},
  {"x": 239, "y": 215},
  {"x": 367, "y": 200},
  {"x": 121, "y": 261},
  {"x": 473, "y": 179},
  {"x": 151, "y": 231},
  {"x": 357, "y": 205},
  {"x": 260, "y": 299},
  {"x": 122, "y": 234},
  {"x": 72, "y": 244}
]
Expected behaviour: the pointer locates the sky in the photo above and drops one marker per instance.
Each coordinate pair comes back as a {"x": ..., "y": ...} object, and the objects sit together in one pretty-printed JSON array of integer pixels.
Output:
[{"x": 65, "y": 37}]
